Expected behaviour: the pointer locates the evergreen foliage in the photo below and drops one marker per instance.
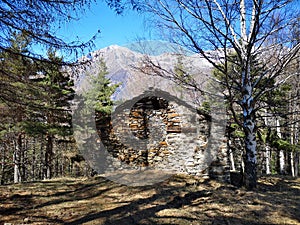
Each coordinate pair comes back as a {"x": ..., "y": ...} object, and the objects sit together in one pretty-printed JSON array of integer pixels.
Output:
[
  {"x": 35, "y": 116},
  {"x": 100, "y": 91}
]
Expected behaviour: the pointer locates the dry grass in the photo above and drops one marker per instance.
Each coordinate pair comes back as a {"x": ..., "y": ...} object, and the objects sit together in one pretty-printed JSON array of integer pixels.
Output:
[{"x": 178, "y": 200}]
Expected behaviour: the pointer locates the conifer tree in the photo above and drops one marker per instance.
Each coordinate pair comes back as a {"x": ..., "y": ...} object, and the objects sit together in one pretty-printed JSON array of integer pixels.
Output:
[
  {"x": 93, "y": 111},
  {"x": 100, "y": 91},
  {"x": 15, "y": 77},
  {"x": 53, "y": 119},
  {"x": 36, "y": 105}
]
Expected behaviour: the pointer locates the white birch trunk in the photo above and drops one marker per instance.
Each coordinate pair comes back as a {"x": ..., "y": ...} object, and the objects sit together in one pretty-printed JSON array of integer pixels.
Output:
[
  {"x": 292, "y": 164},
  {"x": 16, "y": 160},
  {"x": 292, "y": 159},
  {"x": 267, "y": 149},
  {"x": 281, "y": 152},
  {"x": 297, "y": 155},
  {"x": 268, "y": 161},
  {"x": 250, "y": 175},
  {"x": 16, "y": 169},
  {"x": 231, "y": 159}
]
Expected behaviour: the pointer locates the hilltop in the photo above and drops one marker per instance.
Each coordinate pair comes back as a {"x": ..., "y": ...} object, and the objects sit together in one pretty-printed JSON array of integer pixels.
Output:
[{"x": 182, "y": 200}]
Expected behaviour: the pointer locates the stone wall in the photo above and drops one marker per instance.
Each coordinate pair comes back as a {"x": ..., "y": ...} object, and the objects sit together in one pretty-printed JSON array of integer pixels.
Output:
[{"x": 165, "y": 135}]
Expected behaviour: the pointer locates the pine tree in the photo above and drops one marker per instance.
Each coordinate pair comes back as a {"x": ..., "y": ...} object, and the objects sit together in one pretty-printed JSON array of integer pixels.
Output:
[
  {"x": 53, "y": 119},
  {"x": 16, "y": 70},
  {"x": 100, "y": 91},
  {"x": 94, "y": 108}
]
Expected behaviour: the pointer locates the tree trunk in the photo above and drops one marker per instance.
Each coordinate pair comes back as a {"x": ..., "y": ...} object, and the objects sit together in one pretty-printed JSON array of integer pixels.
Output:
[
  {"x": 281, "y": 162},
  {"x": 2, "y": 173},
  {"x": 41, "y": 159},
  {"x": 23, "y": 159},
  {"x": 267, "y": 147},
  {"x": 231, "y": 158},
  {"x": 297, "y": 154},
  {"x": 49, "y": 157},
  {"x": 281, "y": 158},
  {"x": 247, "y": 104},
  {"x": 250, "y": 160},
  {"x": 250, "y": 176},
  {"x": 33, "y": 160},
  {"x": 17, "y": 160},
  {"x": 267, "y": 157},
  {"x": 17, "y": 176},
  {"x": 292, "y": 162},
  {"x": 292, "y": 158}
]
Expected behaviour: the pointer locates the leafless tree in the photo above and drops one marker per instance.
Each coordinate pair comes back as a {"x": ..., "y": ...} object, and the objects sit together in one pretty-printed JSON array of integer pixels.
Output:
[
  {"x": 40, "y": 21},
  {"x": 215, "y": 29}
]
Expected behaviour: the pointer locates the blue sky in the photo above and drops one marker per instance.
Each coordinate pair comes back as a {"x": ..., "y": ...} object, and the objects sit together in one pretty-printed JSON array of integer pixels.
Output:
[{"x": 115, "y": 29}]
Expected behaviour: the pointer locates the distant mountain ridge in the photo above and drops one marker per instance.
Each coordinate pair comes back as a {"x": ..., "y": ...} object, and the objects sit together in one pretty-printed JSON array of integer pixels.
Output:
[
  {"x": 122, "y": 63},
  {"x": 155, "y": 48}
]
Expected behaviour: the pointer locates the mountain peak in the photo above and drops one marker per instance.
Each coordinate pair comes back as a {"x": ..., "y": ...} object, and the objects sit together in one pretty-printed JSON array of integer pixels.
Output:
[{"x": 114, "y": 47}]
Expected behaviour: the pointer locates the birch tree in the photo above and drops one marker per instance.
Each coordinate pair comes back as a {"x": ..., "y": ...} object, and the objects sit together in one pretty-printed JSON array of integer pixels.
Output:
[
  {"x": 295, "y": 106},
  {"x": 215, "y": 29}
]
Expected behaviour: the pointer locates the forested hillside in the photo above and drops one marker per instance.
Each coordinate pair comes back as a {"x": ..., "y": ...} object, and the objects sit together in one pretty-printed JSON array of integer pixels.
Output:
[
  {"x": 36, "y": 130},
  {"x": 249, "y": 51},
  {"x": 224, "y": 84}
]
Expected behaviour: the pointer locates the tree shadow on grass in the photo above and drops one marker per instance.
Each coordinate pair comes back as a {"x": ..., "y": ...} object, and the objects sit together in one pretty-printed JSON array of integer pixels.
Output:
[
  {"x": 132, "y": 214},
  {"x": 48, "y": 193},
  {"x": 223, "y": 205},
  {"x": 83, "y": 192},
  {"x": 282, "y": 193},
  {"x": 178, "y": 200}
]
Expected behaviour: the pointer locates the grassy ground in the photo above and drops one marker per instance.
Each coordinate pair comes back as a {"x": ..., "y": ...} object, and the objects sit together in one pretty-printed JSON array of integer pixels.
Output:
[{"x": 178, "y": 200}]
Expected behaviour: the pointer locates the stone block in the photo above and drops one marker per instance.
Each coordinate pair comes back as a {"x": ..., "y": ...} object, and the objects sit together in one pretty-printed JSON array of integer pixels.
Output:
[
  {"x": 166, "y": 152},
  {"x": 173, "y": 129},
  {"x": 173, "y": 115},
  {"x": 163, "y": 143},
  {"x": 189, "y": 130}
]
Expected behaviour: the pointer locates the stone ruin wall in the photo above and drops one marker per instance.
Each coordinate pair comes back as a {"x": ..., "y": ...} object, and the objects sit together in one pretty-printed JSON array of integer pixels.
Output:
[{"x": 162, "y": 134}]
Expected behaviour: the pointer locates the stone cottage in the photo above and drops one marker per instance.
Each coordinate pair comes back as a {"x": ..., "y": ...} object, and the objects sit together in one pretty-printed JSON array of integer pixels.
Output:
[{"x": 160, "y": 131}]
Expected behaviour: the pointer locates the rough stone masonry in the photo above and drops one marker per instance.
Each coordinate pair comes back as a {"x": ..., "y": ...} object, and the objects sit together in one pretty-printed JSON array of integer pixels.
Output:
[{"x": 164, "y": 133}]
